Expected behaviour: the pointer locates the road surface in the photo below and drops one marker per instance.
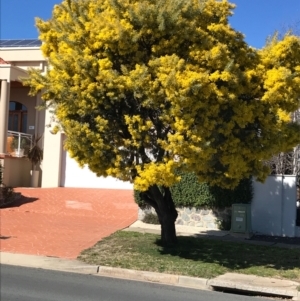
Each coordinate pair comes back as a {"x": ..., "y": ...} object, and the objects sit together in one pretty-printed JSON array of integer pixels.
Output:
[{"x": 27, "y": 284}]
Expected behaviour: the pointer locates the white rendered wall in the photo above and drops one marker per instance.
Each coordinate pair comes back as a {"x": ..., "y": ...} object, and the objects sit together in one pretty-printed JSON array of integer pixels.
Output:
[
  {"x": 74, "y": 176},
  {"x": 273, "y": 207}
]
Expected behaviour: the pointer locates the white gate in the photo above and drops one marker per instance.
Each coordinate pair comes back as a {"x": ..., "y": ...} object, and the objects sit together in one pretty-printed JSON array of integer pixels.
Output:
[{"x": 273, "y": 206}]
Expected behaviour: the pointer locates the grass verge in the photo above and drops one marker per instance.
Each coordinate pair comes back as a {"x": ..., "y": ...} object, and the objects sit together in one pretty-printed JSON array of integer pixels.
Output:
[{"x": 196, "y": 257}]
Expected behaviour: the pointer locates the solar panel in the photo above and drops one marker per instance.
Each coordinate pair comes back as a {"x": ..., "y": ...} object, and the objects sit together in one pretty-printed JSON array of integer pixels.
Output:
[
  {"x": 16, "y": 43},
  {"x": 20, "y": 43},
  {"x": 3, "y": 43},
  {"x": 34, "y": 43}
]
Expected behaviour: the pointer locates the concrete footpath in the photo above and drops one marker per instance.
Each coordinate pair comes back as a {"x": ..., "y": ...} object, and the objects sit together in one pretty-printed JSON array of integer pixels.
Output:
[
  {"x": 230, "y": 281},
  {"x": 181, "y": 230}
]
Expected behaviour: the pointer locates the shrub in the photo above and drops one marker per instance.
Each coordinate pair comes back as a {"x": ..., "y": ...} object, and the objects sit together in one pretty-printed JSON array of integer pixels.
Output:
[
  {"x": 224, "y": 223},
  {"x": 6, "y": 192},
  {"x": 190, "y": 193},
  {"x": 24, "y": 143},
  {"x": 151, "y": 218}
]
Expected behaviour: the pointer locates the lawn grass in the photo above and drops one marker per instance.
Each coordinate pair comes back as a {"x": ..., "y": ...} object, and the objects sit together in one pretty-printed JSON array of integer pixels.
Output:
[{"x": 197, "y": 257}]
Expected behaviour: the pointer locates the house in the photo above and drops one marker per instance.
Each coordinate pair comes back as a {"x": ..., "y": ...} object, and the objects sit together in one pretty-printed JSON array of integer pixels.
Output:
[{"x": 20, "y": 118}]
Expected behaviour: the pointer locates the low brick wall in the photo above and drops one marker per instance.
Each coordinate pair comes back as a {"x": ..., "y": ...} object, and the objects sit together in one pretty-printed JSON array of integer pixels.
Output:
[{"x": 202, "y": 217}]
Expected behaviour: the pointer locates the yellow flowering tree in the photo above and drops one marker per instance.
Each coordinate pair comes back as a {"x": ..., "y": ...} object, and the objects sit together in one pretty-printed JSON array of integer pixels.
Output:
[
  {"x": 287, "y": 162},
  {"x": 143, "y": 88}
]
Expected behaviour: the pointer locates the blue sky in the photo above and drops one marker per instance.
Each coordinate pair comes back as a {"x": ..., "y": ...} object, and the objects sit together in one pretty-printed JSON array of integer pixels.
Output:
[{"x": 257, "y": 19}]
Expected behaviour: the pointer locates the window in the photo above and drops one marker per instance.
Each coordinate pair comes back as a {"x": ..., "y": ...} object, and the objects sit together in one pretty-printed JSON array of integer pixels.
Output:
[{"x": 17, "y": 120}]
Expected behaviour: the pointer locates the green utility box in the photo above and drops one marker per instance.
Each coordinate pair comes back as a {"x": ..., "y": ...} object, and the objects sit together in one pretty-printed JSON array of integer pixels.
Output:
[{"x": 241, "y": 218}]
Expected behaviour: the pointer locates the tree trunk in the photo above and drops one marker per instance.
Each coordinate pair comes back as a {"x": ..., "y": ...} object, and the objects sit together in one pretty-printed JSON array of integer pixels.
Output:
[
  {"x": 168, "y": 230},
  {"x": 164, "y": 206}
]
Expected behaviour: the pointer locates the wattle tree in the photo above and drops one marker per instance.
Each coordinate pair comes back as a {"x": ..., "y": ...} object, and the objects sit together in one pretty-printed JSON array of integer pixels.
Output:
[{"x": 146, "y": 88}]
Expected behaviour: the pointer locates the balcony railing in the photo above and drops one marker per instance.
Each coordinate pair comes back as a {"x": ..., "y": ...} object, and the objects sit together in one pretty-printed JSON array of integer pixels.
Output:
[{"x": 18, "y": 144}]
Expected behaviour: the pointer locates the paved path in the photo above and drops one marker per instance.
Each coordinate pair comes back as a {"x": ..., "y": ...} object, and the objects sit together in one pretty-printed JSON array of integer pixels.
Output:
[{"x": 61, "y": 222}]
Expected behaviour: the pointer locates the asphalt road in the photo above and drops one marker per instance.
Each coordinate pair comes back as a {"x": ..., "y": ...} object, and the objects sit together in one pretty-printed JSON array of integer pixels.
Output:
[{"x": 27, "y": 284}]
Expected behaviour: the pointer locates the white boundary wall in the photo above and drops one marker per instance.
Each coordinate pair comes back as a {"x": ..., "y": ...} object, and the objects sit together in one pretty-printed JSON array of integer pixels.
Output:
[{"x": 273, "y": 207}]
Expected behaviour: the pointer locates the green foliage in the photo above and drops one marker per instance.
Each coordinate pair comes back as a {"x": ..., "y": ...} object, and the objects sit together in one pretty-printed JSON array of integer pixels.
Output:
[
  {"x": 151, "y": 218},
  {"x": 6, "y": 192},
  {"x": 7, "y": 195},
  {"x": 190, "y": 193},
  {"x": 224, "y": 223},
  {"x": 138, "y": 200},
  {"x": 23, "y": 143},
  {"x": 193, "y": 193}
]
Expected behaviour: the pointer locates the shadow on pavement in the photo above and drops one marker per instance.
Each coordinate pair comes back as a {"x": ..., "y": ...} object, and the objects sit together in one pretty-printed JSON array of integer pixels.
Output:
[
  {"x": 19, "y": 202},
  {"x": 5, "y": 237}
]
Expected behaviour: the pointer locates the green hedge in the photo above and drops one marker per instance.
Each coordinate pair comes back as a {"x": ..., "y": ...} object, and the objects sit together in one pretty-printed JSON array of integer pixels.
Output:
[{"x": 190, "y": 193}]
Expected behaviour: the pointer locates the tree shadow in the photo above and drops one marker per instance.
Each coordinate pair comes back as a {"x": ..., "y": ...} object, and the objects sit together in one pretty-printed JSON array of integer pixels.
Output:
[
  {"x": 18, "y": 202},
  {"x": 5, "y": 237},
  {"x": 232, "y": 255}
]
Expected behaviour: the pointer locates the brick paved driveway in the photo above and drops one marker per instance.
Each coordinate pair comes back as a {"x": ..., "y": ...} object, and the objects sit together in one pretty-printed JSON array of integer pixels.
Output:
[{"x": 62, "y": 222}]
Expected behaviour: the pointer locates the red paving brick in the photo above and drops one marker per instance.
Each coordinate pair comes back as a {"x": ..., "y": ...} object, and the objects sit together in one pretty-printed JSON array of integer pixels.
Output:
[{"x": 62, "y": 222}]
